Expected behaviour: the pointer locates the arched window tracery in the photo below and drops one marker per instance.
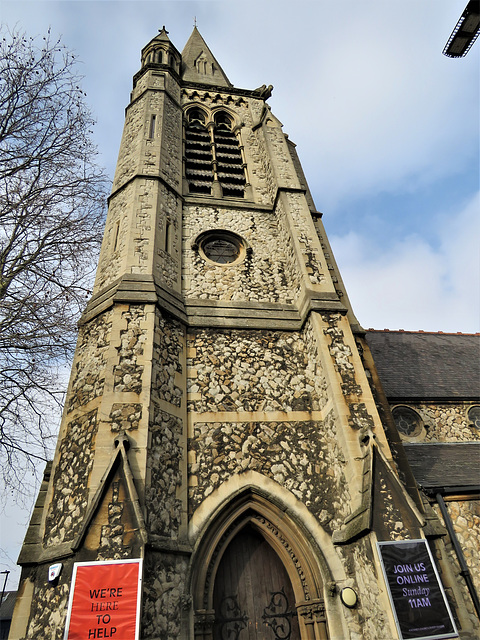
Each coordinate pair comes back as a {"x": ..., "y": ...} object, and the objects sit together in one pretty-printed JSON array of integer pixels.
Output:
[{"x": 214, "y": 164}]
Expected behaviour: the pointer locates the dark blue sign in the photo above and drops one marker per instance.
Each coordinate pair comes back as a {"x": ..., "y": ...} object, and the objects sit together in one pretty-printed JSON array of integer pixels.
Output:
[{"x": 417, "y": 596}]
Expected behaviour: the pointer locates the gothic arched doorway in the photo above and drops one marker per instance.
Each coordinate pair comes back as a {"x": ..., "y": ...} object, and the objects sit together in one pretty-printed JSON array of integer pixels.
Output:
[
  {"x": 253, "y": 596},
  {"x": 253, "y": 571}
]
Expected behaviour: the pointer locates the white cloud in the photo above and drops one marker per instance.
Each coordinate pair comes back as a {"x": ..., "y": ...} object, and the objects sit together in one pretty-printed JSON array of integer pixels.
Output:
[{"x": 415, "y": 285}]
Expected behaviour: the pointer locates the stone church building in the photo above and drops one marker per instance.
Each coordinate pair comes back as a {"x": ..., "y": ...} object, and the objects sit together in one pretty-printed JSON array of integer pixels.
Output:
[{"x": 225, "y": 420}]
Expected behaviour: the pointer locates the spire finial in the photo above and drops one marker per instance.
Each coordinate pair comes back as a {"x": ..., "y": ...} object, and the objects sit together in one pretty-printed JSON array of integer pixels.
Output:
[
  {"x": 163, "y": 29},
  {"x": 195, "y": 21}
]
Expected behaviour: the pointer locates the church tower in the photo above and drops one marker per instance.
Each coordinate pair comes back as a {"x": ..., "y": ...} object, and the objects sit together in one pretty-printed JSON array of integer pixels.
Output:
[{"x": 220, "y": 422}]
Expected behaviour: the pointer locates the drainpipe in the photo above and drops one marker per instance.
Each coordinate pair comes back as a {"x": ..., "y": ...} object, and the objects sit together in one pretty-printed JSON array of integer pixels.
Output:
[{"x": 464, "y": 570}]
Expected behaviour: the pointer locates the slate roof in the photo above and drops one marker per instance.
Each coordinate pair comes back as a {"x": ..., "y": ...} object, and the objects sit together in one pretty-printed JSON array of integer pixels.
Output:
[
  {"x": 8, "y": 602},
  {"x": 445, "y": 465},
  {"x": 421, "y": 365}
]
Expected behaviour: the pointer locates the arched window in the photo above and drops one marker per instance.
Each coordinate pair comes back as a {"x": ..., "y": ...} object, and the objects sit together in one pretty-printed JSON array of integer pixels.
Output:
[
  {"x": 198, "y": 153},
  {"x": 231, "y": 173},
  {"x": 213, "y": 155},
  {"x": 223, "y": 122}
]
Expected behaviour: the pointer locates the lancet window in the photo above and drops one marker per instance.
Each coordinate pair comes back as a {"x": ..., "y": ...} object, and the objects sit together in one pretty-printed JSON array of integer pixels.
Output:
[{"x": 214, "y": 162}]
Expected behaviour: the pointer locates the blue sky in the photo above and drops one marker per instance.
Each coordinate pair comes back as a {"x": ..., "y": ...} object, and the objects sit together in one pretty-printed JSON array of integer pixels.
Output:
[{"x": 385, "y": 125}]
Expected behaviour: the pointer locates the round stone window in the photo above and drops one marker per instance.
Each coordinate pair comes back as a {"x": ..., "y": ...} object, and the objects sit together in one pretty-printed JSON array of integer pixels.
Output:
[
  {"x": 221, "y": 247},
  {"x": 474, "y": 416},
  {"x": 408, "y": 422}
]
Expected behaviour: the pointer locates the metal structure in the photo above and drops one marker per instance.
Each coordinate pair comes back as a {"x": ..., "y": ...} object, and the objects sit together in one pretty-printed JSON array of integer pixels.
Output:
[{"x": 465, "y": 32}]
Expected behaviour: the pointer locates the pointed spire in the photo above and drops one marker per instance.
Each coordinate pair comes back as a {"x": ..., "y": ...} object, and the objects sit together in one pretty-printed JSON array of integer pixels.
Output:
[
  {"x": 161, "y": 50},
  {"x": 199, "y": 63}
]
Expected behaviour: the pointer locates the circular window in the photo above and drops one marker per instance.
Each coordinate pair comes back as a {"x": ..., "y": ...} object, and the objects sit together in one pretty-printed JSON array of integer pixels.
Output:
[
  {"x": 408, "y": 421},
  {"x": 474, "y": 416},
  {"x": 221, "y": 247}
]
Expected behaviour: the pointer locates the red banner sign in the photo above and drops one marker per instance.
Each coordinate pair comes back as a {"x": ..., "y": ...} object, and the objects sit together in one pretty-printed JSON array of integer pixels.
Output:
[{"x": 104, "y": 601}]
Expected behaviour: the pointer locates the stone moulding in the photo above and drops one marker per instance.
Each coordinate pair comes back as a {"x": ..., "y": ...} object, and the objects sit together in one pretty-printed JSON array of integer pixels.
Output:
[
  {"x": 359, "y": 523},
  {"x": 251, "y": 508},
  {"x": 141, "y": 289},
  {"x": 119, "y": 458}
]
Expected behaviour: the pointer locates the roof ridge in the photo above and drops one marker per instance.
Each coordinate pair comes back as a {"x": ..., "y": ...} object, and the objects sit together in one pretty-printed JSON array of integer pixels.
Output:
[{"x": 422, "y": 332}]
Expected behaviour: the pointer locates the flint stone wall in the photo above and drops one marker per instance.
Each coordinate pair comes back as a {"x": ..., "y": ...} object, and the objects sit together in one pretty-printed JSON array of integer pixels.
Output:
[
  {"x": 49, "y": 606},
  {"x": 300, "y": 456},
  {"x": 70, "y": 481},
  {"x": 447, "y": 422},
  {"x": 254, "y": 371},
  {"x": 163, "y": 596},
  {"x": 369, "y": 619},
  {"x": 465, "y": 516},
  {"x": 268, "y": 372},
  {"x": 88, "y": 372},
  {"x": 164, "y": 509},
  {"x": 168, "y": 346}
]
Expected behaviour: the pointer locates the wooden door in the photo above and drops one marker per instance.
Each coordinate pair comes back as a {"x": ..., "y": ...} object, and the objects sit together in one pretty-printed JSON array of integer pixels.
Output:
[{"x": 253, "y": 595}]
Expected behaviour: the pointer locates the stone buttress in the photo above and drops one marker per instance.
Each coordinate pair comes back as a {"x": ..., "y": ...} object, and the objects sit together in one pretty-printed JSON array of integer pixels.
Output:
[{"x": 219, "y": 393}]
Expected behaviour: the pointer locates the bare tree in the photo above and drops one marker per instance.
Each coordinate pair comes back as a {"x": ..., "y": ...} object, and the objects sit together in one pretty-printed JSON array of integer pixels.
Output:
[{"x": 52, "y": 199}]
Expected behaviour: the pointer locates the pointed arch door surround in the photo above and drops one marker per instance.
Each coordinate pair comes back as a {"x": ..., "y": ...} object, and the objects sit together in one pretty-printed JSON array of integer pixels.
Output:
[{"x": 255, "y": 577}]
